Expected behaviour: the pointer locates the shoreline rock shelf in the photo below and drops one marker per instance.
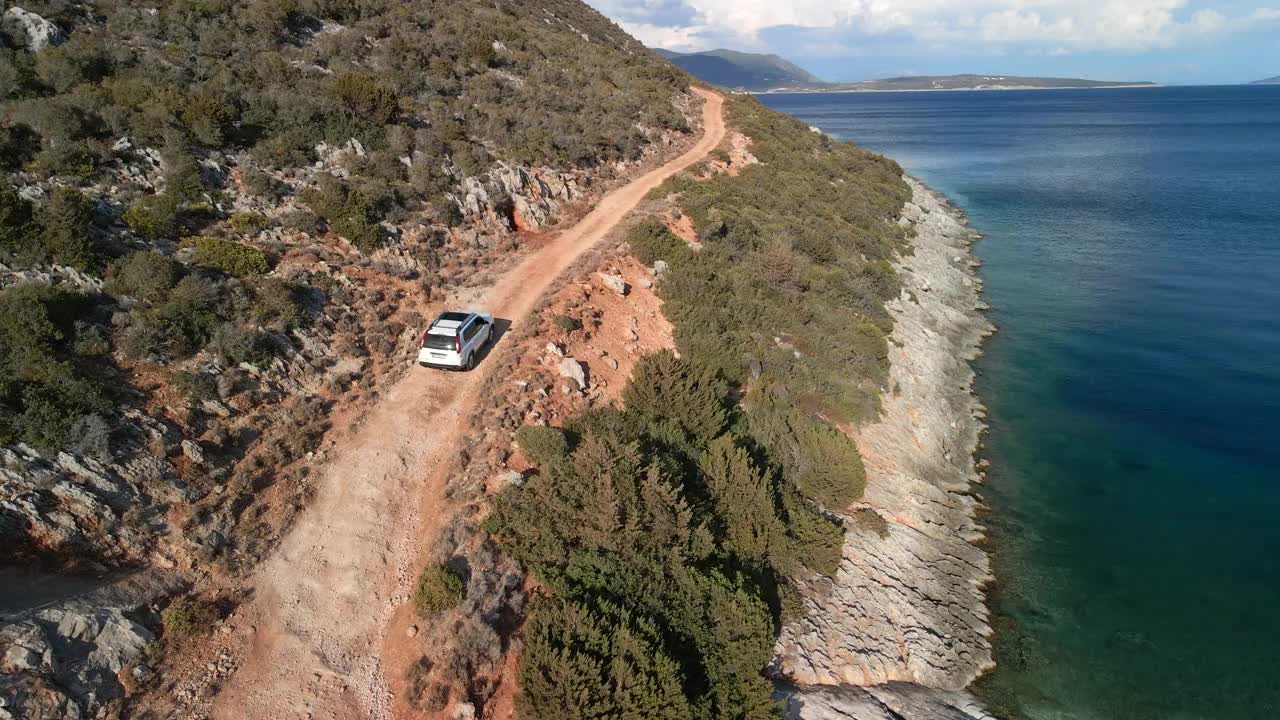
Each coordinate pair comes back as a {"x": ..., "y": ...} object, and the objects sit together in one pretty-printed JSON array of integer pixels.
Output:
[{"x": 903, "y": 627}]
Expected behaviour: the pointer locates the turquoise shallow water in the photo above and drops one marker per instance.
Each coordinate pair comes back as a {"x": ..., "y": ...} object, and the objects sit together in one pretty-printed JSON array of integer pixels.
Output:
[{"x": 1132, "y": 259}]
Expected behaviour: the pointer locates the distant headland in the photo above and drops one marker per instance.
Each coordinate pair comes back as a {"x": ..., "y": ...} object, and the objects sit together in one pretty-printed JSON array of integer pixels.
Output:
[{"x": 757, "y": 73}]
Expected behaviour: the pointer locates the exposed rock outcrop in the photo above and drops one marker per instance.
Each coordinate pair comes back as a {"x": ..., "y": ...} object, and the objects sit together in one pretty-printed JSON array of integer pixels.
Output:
[
  {"x": 61, "y": 658},
  {"x": 33, "y": 31},
  {"x": 517, "y": 196},
  {"x": 907, "y": 606},
  {"x": 891, "y": 701}
]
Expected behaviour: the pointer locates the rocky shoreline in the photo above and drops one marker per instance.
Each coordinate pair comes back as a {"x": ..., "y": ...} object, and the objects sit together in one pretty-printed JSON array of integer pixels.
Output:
[{"x": 903, "y": 627}]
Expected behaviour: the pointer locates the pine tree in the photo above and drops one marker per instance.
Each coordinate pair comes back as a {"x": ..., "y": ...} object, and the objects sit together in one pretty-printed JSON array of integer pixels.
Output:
[
  {"x": 66, "y": 222},
  {"x": 743, "y": 497},
  {"x": 665, "y": 388}
]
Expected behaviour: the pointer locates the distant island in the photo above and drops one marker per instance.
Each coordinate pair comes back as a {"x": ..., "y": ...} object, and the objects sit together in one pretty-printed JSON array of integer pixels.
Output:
[
  {"x": 756, "y": 73},
  {"x": 1269, "y": 81}
]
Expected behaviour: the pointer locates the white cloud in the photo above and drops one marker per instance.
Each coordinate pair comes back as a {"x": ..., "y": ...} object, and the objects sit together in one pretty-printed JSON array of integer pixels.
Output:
[{"x": 1058, "y": 25}]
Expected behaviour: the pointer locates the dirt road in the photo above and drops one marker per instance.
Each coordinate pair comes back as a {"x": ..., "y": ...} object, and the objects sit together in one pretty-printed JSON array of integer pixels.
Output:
[{"x": 322, "y": 602}]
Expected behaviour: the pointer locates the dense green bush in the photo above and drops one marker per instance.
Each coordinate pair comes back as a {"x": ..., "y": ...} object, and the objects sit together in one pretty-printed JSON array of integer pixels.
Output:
[
  {"x": 46, "y": 386},
  {"x": 661, "y": 524},
  {"x": 147, "y": 276},
  {"x": 154, "y": 217},
  {"x": 247, "y": 223},
  {"x": 651, "y": 240},
  {"x": 597, "y": 660},
  {"x": 277, "y": 304},
  {"x": 541, "y": 445},
  {"x": 66, "y": 222},
  {"x": 59, "y": 232},
  {"x": 439, "y": 588},
  {"x": 228, "y": 256},
  {"x": 180, "y": 324}
]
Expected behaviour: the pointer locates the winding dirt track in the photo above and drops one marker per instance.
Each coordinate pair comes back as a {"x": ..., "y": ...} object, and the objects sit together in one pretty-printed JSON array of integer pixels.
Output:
[{"x": 323, "y": 600}]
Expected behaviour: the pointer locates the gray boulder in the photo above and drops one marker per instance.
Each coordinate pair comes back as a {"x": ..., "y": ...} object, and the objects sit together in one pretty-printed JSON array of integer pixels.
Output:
[
  {"x": 573, "y": 370},
  {"x": 615, "y": 283},
  {"x": 37, "y": 32}
]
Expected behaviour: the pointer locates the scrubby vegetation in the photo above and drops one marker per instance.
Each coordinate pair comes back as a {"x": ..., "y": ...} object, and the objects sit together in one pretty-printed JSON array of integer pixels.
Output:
[
  {"x": 150, "y": 129},
  {"x": 187, "y": 617},
  {"x": 439, "y": 588},
  {"x": 788, "y": 291},
  {"x": 666, "y": 531},
  {"x": 48, "y": 343},
  {"x": 230, "y": 257},
  {"x": 450, "y": 84},
  {"x": 666, "y": 534}
]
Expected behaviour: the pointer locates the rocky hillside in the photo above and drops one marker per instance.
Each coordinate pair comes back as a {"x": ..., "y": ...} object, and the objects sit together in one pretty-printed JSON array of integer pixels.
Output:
[{"x": 220, "y": 223}]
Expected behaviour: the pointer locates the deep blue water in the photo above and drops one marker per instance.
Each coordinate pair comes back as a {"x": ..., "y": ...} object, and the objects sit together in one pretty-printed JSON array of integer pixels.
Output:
[{"x": 1132, "y": 259}]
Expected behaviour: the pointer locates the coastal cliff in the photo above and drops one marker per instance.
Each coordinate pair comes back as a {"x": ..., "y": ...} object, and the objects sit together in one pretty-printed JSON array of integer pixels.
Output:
[{"x": 906, "y": 612}]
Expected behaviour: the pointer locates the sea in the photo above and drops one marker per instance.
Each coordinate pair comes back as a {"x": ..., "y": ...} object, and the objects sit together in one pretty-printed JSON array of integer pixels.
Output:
[{"x": 1131, "y": 256}]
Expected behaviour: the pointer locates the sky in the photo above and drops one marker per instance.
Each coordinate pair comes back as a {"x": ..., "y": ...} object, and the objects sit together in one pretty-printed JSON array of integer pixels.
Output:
[{"x": 1174, "y": 42}]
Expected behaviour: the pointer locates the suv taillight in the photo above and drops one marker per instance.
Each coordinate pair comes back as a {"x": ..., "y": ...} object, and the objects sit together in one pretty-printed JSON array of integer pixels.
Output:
[
  {"x": 423, "y": 342},
  {"x": 458, "y": 340}
]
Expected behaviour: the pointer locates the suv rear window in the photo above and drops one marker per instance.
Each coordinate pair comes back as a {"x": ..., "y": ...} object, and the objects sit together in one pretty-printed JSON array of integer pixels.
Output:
[{"x": 439, "y": 342}]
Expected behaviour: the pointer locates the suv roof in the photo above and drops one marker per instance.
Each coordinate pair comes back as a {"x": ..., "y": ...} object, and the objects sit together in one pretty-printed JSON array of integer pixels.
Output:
[{"x": 448, "y": 322}]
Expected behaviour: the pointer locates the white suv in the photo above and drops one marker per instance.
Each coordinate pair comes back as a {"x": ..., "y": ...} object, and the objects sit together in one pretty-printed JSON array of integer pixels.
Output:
[{"x": 455, "y": 339}]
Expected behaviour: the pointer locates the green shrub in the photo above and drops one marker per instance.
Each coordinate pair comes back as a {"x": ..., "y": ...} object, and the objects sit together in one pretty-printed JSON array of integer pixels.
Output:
[
  {"x": 365, "y": 97},
  {"x": 743, "y": 498},
  {"x": 65, "y": 229},
  {"x": 277, "y": 303},
  {"x": 439, "y": 589},
  {"x": 247, "y": 223},
  {"x": 187, "y": 617},
  {"x": 680, "y": 400},
  {"x": 360, "y": 230},
  {"x": 46, "y": 386},
  {"x": 651, "y": 240},
  {"x": 302, "y": 220},
  {"x": 566, "y": 323},
  {"x": 597, "y": 660},
  {"x": 180, "y": 325},
  {"x": 542, "y": 445},
  {"x": 648, "y": 518},
  {"x": 234, "y": 344},
  {"x": 145, "y": 275},
  {"x": 154, "y": 217},
  {"x": 230, "y": 257},
  {"x": 819, "y": 460},
  {"x": 17, "y": 226}
]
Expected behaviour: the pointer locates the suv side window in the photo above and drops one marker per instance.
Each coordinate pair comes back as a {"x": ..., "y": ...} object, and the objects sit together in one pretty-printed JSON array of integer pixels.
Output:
[{"x": 471, "y": 330}]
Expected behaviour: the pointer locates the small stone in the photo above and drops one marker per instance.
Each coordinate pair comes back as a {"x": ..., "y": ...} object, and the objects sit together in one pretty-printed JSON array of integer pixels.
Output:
[
  {"x": 554, "y": 349},
  {"x": 411, "y": 631},
  {"x": 613, "y": 363},
  {"x": 645, "y": 283},
  {"x": 193, "y": 452},
  {"x": 660, "y": 267}
]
